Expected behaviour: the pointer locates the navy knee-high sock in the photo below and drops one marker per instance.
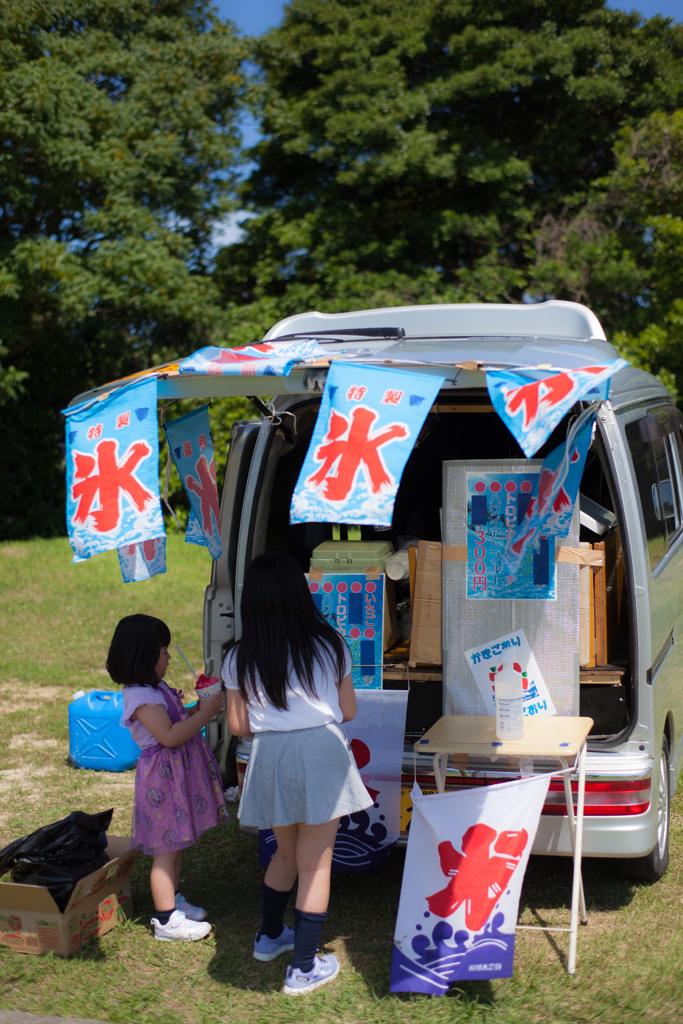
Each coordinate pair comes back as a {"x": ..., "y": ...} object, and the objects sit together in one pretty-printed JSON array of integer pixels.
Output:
[
  {"x": 307, "y": 931},
  {"x": 273, "y": 905}
]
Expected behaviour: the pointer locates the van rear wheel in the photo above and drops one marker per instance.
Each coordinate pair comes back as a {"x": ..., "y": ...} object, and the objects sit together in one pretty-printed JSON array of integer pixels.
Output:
[{"x": 653, "y": 866}]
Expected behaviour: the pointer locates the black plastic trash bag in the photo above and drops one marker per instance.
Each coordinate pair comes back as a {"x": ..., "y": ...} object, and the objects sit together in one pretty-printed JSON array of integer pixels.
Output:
[{"x": 60, "y": 854}]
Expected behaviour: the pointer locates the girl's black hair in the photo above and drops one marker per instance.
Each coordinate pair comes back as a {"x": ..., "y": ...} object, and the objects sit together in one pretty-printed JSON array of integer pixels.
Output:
[
  {"x": 281, "y": 622},
  {"x": 135, "y": 648}
]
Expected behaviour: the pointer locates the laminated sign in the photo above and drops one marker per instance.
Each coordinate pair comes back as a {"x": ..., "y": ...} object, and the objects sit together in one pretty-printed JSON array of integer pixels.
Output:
[
  {"x": 465, "y": 863},
  {"x": 354, "y": 605}
]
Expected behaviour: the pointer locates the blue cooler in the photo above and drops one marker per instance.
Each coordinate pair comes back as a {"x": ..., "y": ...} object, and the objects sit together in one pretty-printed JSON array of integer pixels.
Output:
[{"x": 96, "y": 737}]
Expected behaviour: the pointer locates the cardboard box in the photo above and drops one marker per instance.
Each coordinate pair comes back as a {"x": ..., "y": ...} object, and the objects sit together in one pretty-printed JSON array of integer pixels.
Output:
[
  {"x": 425, "y": 640},
  {"x": 31, "y": 921}
]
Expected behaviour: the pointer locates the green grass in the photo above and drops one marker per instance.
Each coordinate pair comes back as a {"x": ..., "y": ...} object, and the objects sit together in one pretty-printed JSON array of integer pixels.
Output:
[{"x": 56, "y": 620}]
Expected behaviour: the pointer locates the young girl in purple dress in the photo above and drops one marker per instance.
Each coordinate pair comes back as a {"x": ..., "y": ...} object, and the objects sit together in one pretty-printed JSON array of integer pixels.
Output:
[{"x": 178, "y": 790}]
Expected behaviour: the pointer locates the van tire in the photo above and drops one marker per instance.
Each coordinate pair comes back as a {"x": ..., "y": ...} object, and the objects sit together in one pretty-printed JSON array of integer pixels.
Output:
[{"x": 651, "y": 867}]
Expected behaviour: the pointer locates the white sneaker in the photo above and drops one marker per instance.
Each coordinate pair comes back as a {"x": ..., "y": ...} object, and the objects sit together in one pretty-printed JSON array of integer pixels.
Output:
[
  {"x": 189, "y": 909},
  {"x": 180, "y": 927}
]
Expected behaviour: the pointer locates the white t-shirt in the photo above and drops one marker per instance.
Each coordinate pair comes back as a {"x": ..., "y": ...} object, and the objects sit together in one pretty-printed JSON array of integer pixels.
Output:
[{"x": 303, "y": 711}]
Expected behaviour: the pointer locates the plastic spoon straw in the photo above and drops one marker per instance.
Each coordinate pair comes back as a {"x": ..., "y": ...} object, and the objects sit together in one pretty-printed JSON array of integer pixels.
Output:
[{"x": 186, "y": 662}]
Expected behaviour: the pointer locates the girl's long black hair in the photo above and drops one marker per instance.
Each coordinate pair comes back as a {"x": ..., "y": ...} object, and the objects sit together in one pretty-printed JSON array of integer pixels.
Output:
[
  {"x": 281, "y": 622},
  {"x": 135, "y": 648}
]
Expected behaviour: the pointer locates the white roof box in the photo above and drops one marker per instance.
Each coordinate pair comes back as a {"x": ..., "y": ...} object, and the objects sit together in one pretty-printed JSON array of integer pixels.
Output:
[{"x": 552, "y": 319}]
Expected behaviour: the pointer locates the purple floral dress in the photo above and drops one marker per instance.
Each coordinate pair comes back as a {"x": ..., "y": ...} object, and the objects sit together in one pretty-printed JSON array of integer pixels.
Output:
[{"x": 178, "y": 791}]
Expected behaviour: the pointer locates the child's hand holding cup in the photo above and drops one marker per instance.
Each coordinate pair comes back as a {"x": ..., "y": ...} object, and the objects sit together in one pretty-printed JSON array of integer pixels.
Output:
[{"x": 207, "y": 687}]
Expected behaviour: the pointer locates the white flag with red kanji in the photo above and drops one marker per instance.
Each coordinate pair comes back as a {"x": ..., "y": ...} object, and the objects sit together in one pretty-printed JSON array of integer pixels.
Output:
[{"x": 462, "y": 879}]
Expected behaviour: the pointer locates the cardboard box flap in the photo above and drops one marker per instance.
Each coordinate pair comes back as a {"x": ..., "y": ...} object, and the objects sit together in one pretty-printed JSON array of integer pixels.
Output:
[
  {"x": 33, "y": 898},
  {"x": 97, "y": 880}
]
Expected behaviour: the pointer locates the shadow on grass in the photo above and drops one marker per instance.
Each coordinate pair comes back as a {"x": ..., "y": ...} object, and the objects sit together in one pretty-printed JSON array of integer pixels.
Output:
[{"x": 222, "y": 873}]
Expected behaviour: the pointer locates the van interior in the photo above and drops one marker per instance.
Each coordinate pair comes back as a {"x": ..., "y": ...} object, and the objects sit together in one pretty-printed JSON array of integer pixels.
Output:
[{"x": 465, "y": 426}]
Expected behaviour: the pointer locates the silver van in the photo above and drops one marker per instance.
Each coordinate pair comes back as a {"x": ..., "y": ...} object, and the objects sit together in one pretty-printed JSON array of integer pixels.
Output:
[{"x": 630, "y": 509}]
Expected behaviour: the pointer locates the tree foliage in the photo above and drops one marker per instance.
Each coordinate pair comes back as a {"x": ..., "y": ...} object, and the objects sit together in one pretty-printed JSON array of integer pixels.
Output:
[
  {"x": 119, "y": 147},
  {"x": 455, "y": 150}
]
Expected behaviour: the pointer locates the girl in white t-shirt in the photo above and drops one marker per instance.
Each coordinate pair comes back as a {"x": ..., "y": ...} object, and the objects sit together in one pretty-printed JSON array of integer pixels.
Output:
[{"x": 288, "y": 682}]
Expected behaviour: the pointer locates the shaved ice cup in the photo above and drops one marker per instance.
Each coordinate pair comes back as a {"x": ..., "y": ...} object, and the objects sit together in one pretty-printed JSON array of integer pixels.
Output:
[{"x": 207, "y": 686}]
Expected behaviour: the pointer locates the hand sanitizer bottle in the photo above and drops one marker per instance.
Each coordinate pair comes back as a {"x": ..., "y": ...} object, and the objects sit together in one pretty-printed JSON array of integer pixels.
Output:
[{"x": 509, "y": 702}]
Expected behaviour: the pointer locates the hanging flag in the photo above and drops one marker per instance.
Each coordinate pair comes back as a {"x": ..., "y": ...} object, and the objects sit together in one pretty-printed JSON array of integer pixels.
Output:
[
  {"x": 365, "y": 839},
  {"x": 112, "y": 471},
  {"x": 367, "y": 424},
  {"x": 532, "y": 405},
  {"x": 465, "y": 862},
  {"x": 549, "y": 512},
  {"x": 375, "y": 735},
  {"x": 275, "y": 360},
  {"x": 191, "y": 446},
  {"x": 142, "y": 561}
]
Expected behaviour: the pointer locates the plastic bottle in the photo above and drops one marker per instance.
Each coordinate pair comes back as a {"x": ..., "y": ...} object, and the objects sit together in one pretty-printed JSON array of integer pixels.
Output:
[{"x": 509, "y": 702}]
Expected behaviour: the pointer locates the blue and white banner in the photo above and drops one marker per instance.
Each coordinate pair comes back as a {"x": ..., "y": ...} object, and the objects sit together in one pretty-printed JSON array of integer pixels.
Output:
[
  {"x": 354, "y": 604},
  {"x": 549, "y": 512},
  {"x": 266, "y": 359},
  {"x": 532, "y": 405},
  {"x": 365, "y": 840},
  {"x": 142, "y": 561},
  {"x": 464, "y": 868},
  {"x": 112, "y": 471},
  {"x": 191, "y": 446},
  {"x": 368, "y": 422}
]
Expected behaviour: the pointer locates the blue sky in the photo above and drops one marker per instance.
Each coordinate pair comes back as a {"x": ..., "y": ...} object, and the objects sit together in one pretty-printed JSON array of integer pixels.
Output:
[{"x": 253, "y": 17}]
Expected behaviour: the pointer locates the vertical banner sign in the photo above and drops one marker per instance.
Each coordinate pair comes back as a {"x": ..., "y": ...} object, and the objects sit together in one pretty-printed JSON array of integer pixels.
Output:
[
  {"x": 354, "y": 604},
  {"x": 496, "y": 504},
  {"x": 368, "y": 421},
  {"x": 191, "y": 446},
  {"x": 532, "y": 406},
  {"x": 549, "y": 513},
  {"x": 142, "y": 561},
  {"x": 112, "y": 471},
  {"x": 365, "y": 839},
  {"x": 464, "y": 868}
]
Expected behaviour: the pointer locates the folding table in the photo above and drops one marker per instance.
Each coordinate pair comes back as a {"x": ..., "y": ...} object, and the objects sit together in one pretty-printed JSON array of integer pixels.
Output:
[{"x": 555, "y": 738}]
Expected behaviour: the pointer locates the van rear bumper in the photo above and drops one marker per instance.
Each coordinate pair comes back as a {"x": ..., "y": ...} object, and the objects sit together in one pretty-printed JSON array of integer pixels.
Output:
[{"x": 614, "y": 836}]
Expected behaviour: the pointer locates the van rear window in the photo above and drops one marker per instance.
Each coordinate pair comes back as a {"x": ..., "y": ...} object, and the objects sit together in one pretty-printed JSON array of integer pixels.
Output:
[{"x": 656, "y": 446}]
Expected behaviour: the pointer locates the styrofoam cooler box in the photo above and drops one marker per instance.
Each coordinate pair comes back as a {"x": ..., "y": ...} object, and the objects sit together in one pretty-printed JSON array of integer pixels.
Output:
[{"x": 96, "y": 737}]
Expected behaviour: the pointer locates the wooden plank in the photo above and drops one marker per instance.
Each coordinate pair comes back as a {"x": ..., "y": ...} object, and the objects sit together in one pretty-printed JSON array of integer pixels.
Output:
[
  {"x": 599, "y": 577},
  {"x": 585, "y": 582}
]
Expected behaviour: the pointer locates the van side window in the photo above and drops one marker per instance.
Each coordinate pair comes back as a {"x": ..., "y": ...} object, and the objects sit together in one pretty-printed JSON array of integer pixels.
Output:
[{"x": 656, "y": 446}]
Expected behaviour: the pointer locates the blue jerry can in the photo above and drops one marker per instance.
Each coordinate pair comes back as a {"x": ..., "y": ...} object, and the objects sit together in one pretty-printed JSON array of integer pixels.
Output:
[{"x": 96, "y": 737}]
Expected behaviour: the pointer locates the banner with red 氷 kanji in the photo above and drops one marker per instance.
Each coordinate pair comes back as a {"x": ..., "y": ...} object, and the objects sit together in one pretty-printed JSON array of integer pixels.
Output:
[
  {"x": 367, "y": 425},
  {"x": 464, "y": 868},
  {"x": 112, "y": 471},
  {"x": 191, "y": 446}
]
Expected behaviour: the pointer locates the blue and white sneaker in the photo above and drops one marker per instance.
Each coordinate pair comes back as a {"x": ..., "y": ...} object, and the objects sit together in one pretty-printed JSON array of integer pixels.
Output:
[
  {"x": 267, "y": 949},
  {"x": 191, "y": 912},
  {"x": 297, "y": 982}
]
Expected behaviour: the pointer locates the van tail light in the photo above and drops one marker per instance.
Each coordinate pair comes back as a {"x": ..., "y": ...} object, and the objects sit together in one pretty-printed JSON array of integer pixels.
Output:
[
  {"x": 615, "y": 797},
  {"x": 604, "y": 798}
]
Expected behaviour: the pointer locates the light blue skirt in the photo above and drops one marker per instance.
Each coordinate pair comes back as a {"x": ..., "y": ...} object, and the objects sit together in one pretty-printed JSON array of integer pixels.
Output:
[{"x": 306, "y": 775}]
